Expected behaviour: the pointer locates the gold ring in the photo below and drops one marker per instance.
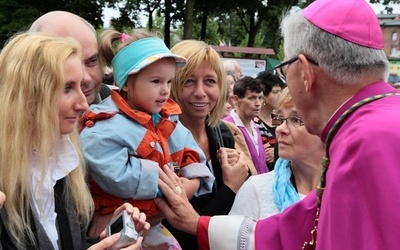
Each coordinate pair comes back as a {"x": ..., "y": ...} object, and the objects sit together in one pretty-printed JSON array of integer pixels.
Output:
[{"x": 179, "y": 189}]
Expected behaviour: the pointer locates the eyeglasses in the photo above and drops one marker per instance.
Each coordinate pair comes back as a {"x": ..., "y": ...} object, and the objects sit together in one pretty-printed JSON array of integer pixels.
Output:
[
  {"x": 295, "y": 121},
  {"x": 280, "y": 67}
]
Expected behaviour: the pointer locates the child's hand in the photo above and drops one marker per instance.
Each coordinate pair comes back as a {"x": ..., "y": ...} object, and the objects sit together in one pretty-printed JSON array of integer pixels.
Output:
[{"x": 190, "y": 186}]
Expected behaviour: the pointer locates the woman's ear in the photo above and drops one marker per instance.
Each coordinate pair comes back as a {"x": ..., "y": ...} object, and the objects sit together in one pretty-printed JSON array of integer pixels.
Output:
[{"x": 234, "y": 98}]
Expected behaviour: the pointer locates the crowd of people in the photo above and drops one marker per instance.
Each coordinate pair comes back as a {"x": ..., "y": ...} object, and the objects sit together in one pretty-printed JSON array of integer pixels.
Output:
[{"x": 199, "y": 155}]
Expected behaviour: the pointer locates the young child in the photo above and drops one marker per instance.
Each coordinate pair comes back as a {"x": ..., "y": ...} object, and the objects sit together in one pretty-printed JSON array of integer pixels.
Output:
[{"x": 130, "y": 135}]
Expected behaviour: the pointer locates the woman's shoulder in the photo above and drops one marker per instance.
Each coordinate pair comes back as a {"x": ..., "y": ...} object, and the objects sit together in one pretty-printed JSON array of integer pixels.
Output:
[
  {"x": 263, "y": 187},
  {"x": 263, "y": 179},
  {"x": 223, "y": 132},
  {"x": 224, "y": 127},
  {"x": 262, "y": 183}
]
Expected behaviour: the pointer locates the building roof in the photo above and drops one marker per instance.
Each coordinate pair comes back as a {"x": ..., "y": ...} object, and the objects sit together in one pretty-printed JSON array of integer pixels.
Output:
[
  {"x": 245, "y": 50},
  {"x": 390, "y": 23},
  {"x": 386, "y": 16},
  {"x": 389, "y": 19}
]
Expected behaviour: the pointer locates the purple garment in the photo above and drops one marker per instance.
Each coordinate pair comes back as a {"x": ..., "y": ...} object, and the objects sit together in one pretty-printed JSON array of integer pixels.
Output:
[
  {"x": 360, "y": 206},
  {"x": 259, "y": 159}
]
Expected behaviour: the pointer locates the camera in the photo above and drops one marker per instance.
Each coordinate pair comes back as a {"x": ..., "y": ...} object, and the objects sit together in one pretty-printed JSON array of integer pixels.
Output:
[{"x": 123, "y": 224}]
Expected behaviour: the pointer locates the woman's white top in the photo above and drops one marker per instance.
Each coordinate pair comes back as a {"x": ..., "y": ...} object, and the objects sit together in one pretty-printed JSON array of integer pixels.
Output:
[
  {"x": 255, "y": 198},
  {"x": 43, "y": 202}
]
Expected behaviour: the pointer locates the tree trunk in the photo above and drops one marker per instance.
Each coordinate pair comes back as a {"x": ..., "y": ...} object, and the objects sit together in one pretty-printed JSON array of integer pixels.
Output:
[
  {"x": 150, "y": 21},
  {"x": 167, "y": 29},
  {"x": 188, "y": 22},
  {"x": 203, "y": 31}
]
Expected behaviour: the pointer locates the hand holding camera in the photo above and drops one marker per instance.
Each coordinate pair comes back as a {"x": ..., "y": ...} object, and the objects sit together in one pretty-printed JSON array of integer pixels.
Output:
[
  {"x": 125, "y": 230},
  {"x": 123, "y": 224}
]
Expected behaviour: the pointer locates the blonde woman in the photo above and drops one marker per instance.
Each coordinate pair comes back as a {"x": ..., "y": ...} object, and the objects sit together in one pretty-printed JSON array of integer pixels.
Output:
[
  {"x": 48, "y": 202},
  {"x": 200, "y": 90}
]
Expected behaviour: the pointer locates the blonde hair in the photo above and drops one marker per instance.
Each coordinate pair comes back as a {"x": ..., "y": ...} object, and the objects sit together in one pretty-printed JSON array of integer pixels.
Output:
[
  {"x": 285, "y": 99},
  {"x": 197, "y": 53},
  {"x": 31, "y": 85}
]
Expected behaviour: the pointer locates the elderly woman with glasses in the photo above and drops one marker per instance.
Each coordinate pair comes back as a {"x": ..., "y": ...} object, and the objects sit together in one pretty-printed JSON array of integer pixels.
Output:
[{"x": 296, "y": 172}]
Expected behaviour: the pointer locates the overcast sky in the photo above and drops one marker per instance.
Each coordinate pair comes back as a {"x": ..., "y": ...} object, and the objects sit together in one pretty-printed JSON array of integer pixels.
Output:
[
  {"x": 109, "y": 13},
  {"x": 379, "y": 7}
]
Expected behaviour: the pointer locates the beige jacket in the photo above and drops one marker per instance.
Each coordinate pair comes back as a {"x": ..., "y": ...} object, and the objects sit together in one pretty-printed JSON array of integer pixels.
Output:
[{"x": 240, "y": 145}]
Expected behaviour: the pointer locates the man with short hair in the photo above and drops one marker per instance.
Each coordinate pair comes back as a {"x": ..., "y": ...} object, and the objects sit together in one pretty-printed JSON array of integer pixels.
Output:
[
  {"x": 335, "y": 69},
  {"x": 65, "y": 24}
]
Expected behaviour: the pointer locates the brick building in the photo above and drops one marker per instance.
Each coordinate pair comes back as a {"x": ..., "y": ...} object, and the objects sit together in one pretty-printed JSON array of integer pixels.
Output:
[{"x": 390, "y": 25}]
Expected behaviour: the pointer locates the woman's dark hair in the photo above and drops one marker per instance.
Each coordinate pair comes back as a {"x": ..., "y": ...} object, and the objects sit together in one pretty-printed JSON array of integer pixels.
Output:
[
  {"x": 247, "y": 83},
  {"x": 268, "y": 81}
]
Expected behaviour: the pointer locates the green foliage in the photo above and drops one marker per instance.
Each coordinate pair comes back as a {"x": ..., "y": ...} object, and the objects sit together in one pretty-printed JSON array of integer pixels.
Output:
[
  {"x": 212, "y": 36},
  {"x": 18, "y": 15},
  {"x": 238, "y": 22},
  {"x": 14, "y": 18},
  {"x": 129, "y": 14},
  {"x": 280, "y": 53},
  {"x": 231, "y": 29},
  {"x": 158, "y": 24}
]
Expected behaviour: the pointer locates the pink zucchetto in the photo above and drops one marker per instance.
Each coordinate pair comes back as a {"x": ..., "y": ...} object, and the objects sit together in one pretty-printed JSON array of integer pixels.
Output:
[{"x": 352, "y": 20}]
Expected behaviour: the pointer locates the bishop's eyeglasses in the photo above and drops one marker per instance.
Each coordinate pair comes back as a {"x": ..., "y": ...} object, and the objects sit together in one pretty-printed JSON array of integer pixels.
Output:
[{"x": 281, "y": 69}]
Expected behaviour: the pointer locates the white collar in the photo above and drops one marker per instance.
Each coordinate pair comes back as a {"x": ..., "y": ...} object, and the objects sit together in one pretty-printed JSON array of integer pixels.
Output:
[
  {"x": 43, "y": 202},
  {"x": 239, "y": 121}
]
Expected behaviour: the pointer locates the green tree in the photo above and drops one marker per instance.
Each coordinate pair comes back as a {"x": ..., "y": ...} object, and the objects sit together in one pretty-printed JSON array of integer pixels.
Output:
[
  {"x": 14, "y": 17},
  {"x": 252, "y": 14},
  {"x": 211, "y": 37},
  {"x": 206, "y": 10},
  {"x": 237, "y": 21},
  {"x": 18, "y": 15},
  {"x": 129, "y": 11},
  {"x": 151, "y": 7}
]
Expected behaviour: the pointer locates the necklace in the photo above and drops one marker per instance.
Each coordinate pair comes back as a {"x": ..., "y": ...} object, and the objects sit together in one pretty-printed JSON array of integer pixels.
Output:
[{"x": 325, "y": 162}]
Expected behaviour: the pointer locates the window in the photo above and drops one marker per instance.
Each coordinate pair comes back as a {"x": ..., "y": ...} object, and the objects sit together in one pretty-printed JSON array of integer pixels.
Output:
[
  {"x": 393, "y": 52},
  {"x": 394, "y": 36}
]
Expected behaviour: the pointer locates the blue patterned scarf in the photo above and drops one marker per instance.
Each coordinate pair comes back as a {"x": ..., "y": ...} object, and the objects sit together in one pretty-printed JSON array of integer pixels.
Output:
[{"x": 284, "y": 192}]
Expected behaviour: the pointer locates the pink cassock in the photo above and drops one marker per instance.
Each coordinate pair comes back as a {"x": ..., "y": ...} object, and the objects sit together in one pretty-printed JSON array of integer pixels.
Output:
[{"x": 361, "y": 204}]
